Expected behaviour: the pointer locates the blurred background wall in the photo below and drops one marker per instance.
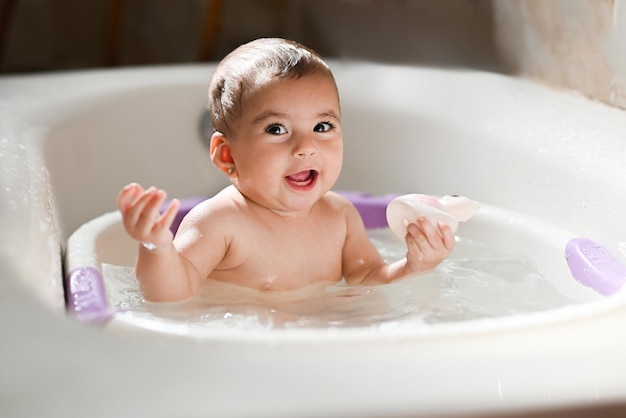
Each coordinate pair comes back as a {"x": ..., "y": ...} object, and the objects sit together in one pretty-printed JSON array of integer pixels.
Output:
[
  {"x": 573, "y": 44},
  {"x": 570, "y": 44},
  {"x": 63, "y": 34}
]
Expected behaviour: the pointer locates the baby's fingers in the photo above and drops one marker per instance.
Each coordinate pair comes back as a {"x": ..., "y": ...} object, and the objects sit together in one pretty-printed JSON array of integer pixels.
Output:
[
  {"x": 128, "y": 195},
  {"x": 170, "y": 213},
  {"x": 425, "y": 235},
  {"x": 146, "y": 210},
  {"x": 447, "y": 235},
  {"x": 143, "y": 212}
]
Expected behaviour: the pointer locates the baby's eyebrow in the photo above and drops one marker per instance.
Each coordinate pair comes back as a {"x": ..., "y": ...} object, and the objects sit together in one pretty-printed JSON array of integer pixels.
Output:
[
  {"x": 328, "y": 114},
  {"x": 268, "y": 115}
]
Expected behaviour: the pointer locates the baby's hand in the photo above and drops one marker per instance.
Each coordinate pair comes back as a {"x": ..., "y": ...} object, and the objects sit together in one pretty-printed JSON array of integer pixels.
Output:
[
  {"x": 141, "y": 217},
  {"x": 427, "y": 244}
]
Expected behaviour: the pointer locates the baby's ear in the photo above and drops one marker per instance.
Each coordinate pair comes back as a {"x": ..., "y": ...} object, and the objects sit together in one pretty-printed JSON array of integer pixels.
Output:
[{"x": 220, "y": 153}]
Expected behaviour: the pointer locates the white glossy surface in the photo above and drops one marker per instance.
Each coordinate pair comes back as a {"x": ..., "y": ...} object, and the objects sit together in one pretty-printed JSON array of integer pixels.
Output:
[{"x": 69, "y": 141}]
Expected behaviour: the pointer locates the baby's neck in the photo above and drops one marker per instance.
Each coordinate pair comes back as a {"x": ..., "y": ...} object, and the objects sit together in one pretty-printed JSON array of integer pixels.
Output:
[{"x": 278, "y": 215}]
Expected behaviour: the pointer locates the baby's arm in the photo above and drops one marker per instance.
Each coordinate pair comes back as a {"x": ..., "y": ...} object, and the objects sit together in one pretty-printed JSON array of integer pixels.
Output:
[
  {"x": 427, "y": 246},
  {"x": 163, "y": 274}
]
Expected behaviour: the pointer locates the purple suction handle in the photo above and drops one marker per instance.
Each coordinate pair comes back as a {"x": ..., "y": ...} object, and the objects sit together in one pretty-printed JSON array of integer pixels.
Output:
[
  {"x": 593, "y": 266},
  {"x": 373, "y": 209},
  {"x": 85, "y": 295}
]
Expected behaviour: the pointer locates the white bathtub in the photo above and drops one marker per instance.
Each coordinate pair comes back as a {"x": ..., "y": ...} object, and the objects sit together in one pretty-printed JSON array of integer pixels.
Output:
[{"x": 554, "y": 162}]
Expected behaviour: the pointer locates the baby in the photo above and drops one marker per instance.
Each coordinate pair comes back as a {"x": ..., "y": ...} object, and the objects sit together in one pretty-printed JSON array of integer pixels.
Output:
[{"x": 277, "y": 136}]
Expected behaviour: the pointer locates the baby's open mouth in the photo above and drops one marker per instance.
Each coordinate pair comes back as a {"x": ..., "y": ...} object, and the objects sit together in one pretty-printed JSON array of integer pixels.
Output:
[{"x": 302, "y": 179}]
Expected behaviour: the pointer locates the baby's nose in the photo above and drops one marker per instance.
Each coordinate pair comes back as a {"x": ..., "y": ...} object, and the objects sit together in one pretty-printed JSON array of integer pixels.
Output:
[{"x": 305, "y": 147}]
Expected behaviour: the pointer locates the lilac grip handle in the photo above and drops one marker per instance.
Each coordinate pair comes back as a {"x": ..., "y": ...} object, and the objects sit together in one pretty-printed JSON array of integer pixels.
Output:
[
  {"x": 86, "y": 296},
  {"x": 593, "y": 266}
]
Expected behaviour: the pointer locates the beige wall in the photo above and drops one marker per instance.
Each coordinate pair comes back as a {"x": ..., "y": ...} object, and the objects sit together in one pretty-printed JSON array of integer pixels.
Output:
[
  {"x": 569, "y": 44},
  {"x": 65, "y": 34}
]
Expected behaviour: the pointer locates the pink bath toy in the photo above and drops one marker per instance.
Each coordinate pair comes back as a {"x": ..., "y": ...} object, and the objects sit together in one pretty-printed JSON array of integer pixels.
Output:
[{"x": 405, "y": 209}]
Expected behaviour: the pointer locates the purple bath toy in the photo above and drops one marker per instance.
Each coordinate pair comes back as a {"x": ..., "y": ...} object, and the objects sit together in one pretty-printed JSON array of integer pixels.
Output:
[{"x": 593, "y": 266}]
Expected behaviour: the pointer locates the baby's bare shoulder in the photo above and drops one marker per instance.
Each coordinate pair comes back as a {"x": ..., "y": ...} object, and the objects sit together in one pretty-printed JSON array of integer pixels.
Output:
[
  {"x": 344, "y": 208},
  {"x": 219, "y": 209},
  {"x": 336, "y": 200},
  {"x": 339, "y": 203}
]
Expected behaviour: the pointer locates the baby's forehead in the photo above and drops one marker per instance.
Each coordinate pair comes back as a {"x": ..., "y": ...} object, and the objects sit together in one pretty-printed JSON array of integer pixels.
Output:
[
  {"x": 312, "y": 95},
  {"x": 269, "y": 83}
]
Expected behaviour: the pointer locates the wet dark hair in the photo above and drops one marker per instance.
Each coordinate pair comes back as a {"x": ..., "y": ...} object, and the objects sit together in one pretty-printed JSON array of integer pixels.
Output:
[{"x": 250, "y": 66}]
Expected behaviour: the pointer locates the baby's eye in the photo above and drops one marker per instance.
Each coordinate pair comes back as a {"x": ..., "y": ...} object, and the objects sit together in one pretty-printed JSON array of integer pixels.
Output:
[
  {"x": 323, "y": 127},
  {"x": 276, "y": 129}
]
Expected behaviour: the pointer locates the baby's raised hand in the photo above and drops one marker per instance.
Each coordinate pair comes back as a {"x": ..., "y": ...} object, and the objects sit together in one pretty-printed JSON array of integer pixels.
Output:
[
  {"x": 141, "y": 217},
  {"x": 427, "y": 244}
]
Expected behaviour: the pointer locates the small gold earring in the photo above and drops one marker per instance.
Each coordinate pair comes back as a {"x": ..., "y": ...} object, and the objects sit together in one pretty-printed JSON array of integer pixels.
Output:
[{"x": 230, "y": 170}]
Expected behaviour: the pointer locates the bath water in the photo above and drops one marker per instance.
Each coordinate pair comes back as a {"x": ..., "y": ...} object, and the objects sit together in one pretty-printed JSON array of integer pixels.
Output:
[{"x": 475, "y": 282}]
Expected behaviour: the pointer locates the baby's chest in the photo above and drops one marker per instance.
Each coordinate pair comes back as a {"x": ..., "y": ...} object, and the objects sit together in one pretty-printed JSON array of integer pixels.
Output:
[
  {"x": 310, "y": 255},
  {"x": 312, "y": 245}
]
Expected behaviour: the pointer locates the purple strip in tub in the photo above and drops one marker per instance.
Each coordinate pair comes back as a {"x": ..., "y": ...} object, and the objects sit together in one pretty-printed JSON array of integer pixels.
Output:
[
  {"x": 593, "y": 266},
  {"x": 85, "y": 295},
  {"x": 372, "y": 209}
]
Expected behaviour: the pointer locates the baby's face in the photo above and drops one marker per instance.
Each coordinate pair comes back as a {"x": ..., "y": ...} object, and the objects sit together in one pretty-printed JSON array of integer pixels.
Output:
[{"x": 288, "y": 146}]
